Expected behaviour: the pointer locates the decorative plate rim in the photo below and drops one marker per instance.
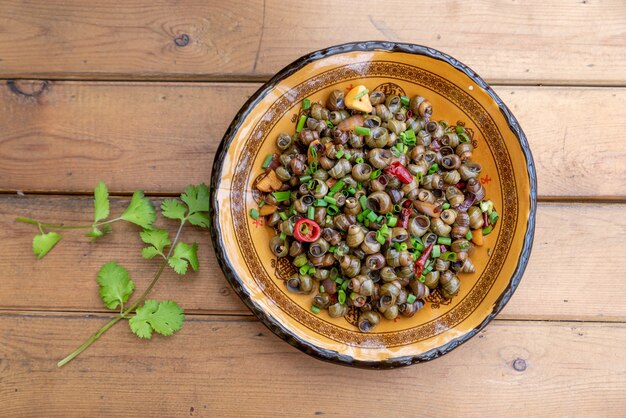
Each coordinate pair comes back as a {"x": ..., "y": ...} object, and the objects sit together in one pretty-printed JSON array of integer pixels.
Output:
[{"x": 273, "y": 324}]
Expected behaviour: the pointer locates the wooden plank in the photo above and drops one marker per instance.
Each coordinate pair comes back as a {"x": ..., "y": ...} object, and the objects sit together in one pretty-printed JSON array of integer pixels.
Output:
[
  {"x": 224, "y": 366},
  {"x": 535, "y": 42},
  {"x": 568, "y": 235},
  {"x": 162, "y": 136}
]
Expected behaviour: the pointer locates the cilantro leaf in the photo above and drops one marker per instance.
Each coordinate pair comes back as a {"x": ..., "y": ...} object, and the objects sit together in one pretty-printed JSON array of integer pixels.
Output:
[
  {"x": 43, "y": 243},
  {"x": 101, "y": 202},
  {"x": 199, "y": 219},
  {"x": 140, "y": 211},
  {"x": 164, "y": 318},
  {"x": 184, "y": 255},
  {"x": 196, "y": 198},
  {"x": 157, "y": 238},
  {"x": 115, "y": 285},
  {"x": 173, "y": 209}
]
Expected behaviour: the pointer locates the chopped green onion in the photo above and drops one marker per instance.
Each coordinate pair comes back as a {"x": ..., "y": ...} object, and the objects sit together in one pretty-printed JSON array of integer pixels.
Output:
[
  {"x": 419, "y": 177},
  {"x": 416, "y": 254},
  {"x": 445, "y": 206},
  {"x": 304, "y": 270},
  {"x": 486, "y": 206},
  {"x": 459, "y": 129},
  {"x": 313, "y": 152},
  {"x": 372, "y": 217},
  {"x": 366, "y": 222},
  {"x": 351, "y": 190},
  {"x": 306, "y": 104},
  {"x": 422, "y": 278},
  {"x": 282, "y": 215},
  {"x": 493, "y": 217},
  {"x": 315, "y": 309},
  {"x": 363, "y": 202},
  {"x": 380, "y": 238},
  {"x": 487, "y": 230},
  {"x": 347, "y": 156},
  {"x": 359, "y": 186},
  {"x": 283, "y": 236},
  {"x": 436, "y": 251},
  {"x": 310, "y": 213},
  {"x": 301, "y": 122},
  {"x": 362, "y": 131},
  {"x": 444, "y": 240},
  {"x": 359, "y": 160},
  {"x": 433, "y": 168},
  {"x": 333, "y": 271},
  {"x": 329, "y": 220},
  {"x": 375, "y": 174},
  {"x": 305, "y": 179},
  {"x": 405, "y": 101},
  {"x": 396, "y": 245},
  {"x": 417, "y": 244},
  {"x": 313, "y": 167},
  {"x": 341, "y": 297},
  {"x": 267, "y": 161},
  {"x": 332, "y": 210},
  {"x": 469, "y": 235},
  {"x": 411, "y": 298},
  {"x": 384, "y": 230},
  {"x": 330, "y": 124},
  {"x": 261, "y": 204},
  {"x": 337, "y": 186},
  {"x": 254, "y": 214},
  {"x": 409, "y": 136},
  {"x": 463, "y": 137},
  {"x": 345, "y": 285},
  {"x": 322, "y": 290},
  {"x": 330, "y": 200},
  {"x": 397, "y": 208},
  {"x": 332, "y": 249},
  {"x": 321, "y": 203},
  {"x": 449, "y": 255},
  {"x": 361, "y": 94},
  {"x": 282, "y": 196},
  {"x": 339, "y": 154},
  {"x": 360, "y": 217},
  {"x": 339, "y": 280},
  {"x": 300, "y": 260},
  {"x": 392, "y": 221}
]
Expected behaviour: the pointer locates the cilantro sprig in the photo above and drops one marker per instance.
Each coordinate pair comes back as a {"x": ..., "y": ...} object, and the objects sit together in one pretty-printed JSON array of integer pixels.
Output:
[
  {"x": 145, "y": 317},
  {"x": 140, "y": 211}
]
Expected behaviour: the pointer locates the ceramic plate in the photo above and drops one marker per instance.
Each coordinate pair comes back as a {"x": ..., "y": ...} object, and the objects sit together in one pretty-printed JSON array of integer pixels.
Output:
[{"x": 456, "y": 94}]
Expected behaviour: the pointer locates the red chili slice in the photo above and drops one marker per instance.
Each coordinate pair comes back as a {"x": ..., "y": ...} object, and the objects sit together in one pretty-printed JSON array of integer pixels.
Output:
[
  {"x": 421, "y": 261},
  {"x": 306, "y": 230},
  {"x": 400, "y": 171}
]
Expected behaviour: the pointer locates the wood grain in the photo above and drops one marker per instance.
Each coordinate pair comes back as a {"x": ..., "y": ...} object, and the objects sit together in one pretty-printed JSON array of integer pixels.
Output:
[
  {"x": 162, "y": 136},
  {"x": 535, "y": 41},
  {"x": 225, "y": 366},
  {"x": 579, "y": 235}
]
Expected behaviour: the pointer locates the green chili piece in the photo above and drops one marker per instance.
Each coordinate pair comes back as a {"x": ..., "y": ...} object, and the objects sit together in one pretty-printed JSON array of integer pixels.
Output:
[
  {"x": 315, "y": 309},
  {"x": 339, "y": 154},
  {"x": 469, "y": 235},
  {"x": 306, "y": 104},
  {"x": 487, "y": 230},
  {"x": 411, "y": 298},
  {"x": 254, "y": 214}
]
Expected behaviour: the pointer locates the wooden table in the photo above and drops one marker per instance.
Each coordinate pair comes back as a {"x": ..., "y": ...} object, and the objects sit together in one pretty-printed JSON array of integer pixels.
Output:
[{"x": 139, "y": 94}]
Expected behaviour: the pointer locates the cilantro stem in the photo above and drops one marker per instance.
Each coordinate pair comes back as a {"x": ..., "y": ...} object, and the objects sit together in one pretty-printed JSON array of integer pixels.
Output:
[
  {"x": 53, "y": 226},
  {"x": 128, "y": 310}
]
